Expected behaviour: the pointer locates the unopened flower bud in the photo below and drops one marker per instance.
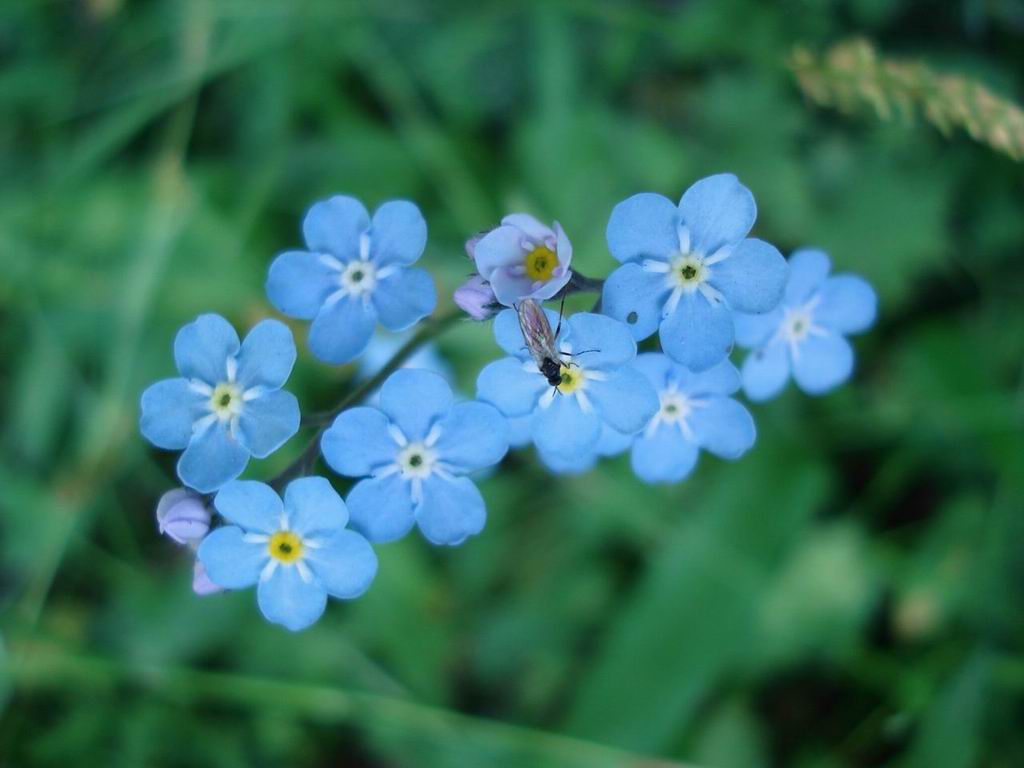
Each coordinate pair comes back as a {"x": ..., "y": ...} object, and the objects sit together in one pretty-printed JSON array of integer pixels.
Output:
[
  {"x": 477, "y": 299},
  {"x": 182, "y": 515},
  {"x": 201, "y": 583}
]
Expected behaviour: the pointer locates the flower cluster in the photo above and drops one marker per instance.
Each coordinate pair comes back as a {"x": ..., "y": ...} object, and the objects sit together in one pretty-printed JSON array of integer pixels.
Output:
[{"x": 408, "y": 447}]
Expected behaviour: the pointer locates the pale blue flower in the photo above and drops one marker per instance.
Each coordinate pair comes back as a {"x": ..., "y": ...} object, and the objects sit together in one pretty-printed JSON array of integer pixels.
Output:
[
  {"x": 297, "y": 551},
  {"x": 355, "y": 273},
  {"x": 687, "y": 268},
  {"x": 228, "y": 403},
  {"x": 523, "y": 259},
  {"x": 805, "y": 335}
]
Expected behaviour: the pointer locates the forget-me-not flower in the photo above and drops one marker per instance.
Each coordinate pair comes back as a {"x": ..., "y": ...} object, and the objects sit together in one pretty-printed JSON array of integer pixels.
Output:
[
  {"x": 413, "y": 452},
  {"x": 610, "y": 443},
  {"x": 355, "y": 272},
  {"x": 524, "y": 259},
  {"x": 696, "y": 413},
  {"x": 805, "y": 336},
  {"x": 297, "y": 551},
  {"x": 228, "y": 403},
  {"x": 687, "y": 268},
  {"x": 599, "y": 386}
]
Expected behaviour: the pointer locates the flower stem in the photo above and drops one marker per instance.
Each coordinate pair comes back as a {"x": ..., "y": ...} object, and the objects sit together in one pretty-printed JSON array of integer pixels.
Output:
[{"x": 430, "y": 330}]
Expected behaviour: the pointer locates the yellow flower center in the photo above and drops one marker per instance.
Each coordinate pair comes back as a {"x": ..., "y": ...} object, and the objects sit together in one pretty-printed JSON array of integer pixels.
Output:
[
  {"x": 688, "y": 272},
  {"x": 572, "y": 379},
  {"x": 285, "y": 546},
  {"x": 540, "y": 263}
]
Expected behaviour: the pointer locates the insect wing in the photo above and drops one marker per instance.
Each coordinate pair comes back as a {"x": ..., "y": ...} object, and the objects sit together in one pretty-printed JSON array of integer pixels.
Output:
[{"x": 537, "y": 331}]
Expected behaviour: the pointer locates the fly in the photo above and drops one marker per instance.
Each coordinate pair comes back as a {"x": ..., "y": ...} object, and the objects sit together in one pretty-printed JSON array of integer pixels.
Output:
[{"x": 540, "y": 340}]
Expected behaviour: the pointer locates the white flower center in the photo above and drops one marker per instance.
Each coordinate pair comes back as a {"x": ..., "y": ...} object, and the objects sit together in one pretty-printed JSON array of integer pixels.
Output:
[
  {"x": 676, "y": 408},
  {"x": 687, "y": 272},
  {"x": 226, "y": 401},
  {"x": 358, "y": 278},
  {"x": 416, "y": 460},
  {"x": 797, "y": 325}
]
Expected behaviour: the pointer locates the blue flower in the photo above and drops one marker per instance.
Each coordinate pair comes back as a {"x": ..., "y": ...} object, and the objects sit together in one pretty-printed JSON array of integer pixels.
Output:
[
  {"x": 695, "y": 413},
  {"x": 523, "y": 259},
  {"x": 355, "y": 273},
  {"x": 412, "y": 452},
  {"x": 228, "y": 403},
  {"x": 610, "y": 443},
  {"x": 598, "y": 387},
  {"x": 686, "y": 268},
  {"x": 298, "y": 552},
  {"x": 805, "y": 336}
]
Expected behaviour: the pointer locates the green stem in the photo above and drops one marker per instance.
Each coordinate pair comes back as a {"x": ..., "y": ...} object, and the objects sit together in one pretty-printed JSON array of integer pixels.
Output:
[{"x": 430, "y": 330}]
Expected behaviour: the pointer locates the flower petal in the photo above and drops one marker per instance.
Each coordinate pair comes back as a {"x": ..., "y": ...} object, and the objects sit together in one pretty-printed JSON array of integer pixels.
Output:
[
  {"x": 404, "y": 298},
  {"x": 267, "y": 356},
  {"x": 451, "y": 510},
  {"x": 334, "y": 226},
  {"x": 345, "y": 564},
  {"x": 250, "y": 504},
  {"x": 530, "y": 226},
  {"x": 286, "y": 599},
  {"x": 644, "y": 226},
  {"x": 599, "y": 341},
  {"x": 474, "y": 435},
  {"x": 202, "y": 347},
  {"x": 636, "y": 297},
  {"x": 752, "y": 278},
  {"x": 568, "y": 464},
  {"x": 664, "y": 456},
  {"x": 721, "y": 379},
  {"x": 381, "y": 509},
  {"x": 501, "y": 247},
  {"x": 756, "y": 330},
  {"x": 358, "y": 443},
  {"x": 512, "y": 390},
  {"x": 765, "y": 372},
  {"x": 268, "y": 422},
  {"x": 509, "y": 335},
  {"x": 230, "y": 561},
  {"x": 342, "y": 330},
  {"x": 626, "y": 400},
  {"x": 519, "y": 429},
  {"x": 213, "y": 457},
  {"x": 657, "y": 368},
  {"x": 848, "y": 304},
  {"x": 717, "y": 210},
  {"x": 723, "y": 427},
  {"x": 314, "y": 508},
  {"x": 510, "y": 289},
  {"x": 808, "y": 268},
  {"x": 414, "y": 400},
  {"x": 563, "y": 428},
  {"x": 698, "y": 334},
  {"x": 299, "y": 282},
  {"x": 398, "y": 234},
  {"x": 823, "y": 362},
  {"x": 169, "y": 409}
]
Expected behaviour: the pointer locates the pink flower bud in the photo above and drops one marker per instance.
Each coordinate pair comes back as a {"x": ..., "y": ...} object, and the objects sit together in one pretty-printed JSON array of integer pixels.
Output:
[
  {"x": 182, "y": 515},
  {"x": 476, "y": 298},
  {"x": 201, "y": 583}
]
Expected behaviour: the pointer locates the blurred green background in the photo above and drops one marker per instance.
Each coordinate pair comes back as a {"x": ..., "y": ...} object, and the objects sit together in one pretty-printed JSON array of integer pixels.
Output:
[{"x": 849, "y": 593}]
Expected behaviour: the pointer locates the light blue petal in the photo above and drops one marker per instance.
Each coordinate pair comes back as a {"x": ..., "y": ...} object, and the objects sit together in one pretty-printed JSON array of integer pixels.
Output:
[
  {"x": 213, "y": 457},
  {"x": 756, "y": 330},
  {"x": 230, "y": 561},
  {"x": 511, "y": 389},
  {"x": 808, "y": 268},
  {"x": 657, "y": 368},
  {"x": 718, "y": 211},
  {"x": 510, "y": 289},
  {"x": 562, "y": 428},
  {"x": 202, "y": 347},
  {"x": 287, "y": 600},
  {"x": 398, "y": 234},
  {"x": 404, "y": 298},
  {"x": 169, "y": 409},
  {"x": 299, "y": 283},
  {"x": 267, "y": 422},
  {"x": 358, "y": 443},
  {"x": 752, "y": 278},
  {"x": 345, "y": 564},
  {"x": 636, "y": 297},
  {"x": 474, "y": 435},
  {"x": 451, "y": 510},
  {"x": 341, "y": 331},
  {"x": 644, "y": 226},
  {"x": 509, "y": 335},
  {"x": 381, "y": 509},
  {"x": 698, "y": 334},
  {"x": 414, "y": 400},
  {"x": 314, "y": 508},
  {"x": 334, "y": 226},
  {"x": 848, "y": 304},
  {"x": 519, "y": 430},
  {"x": 823, "y": 363},
  {"x": 626, "y": 400},
  {"x": 501, "y": 247},
  {"x": 250, "y": 504},
  {"x": 765, "y": 372},
  {"x": 723, "y": 427},
  {"x": 721, "y": 379},
  {"x": 571, "y": 464},
  {"x": 267, "y": 356},
  {"x": 600, "y": 342},
  {"x": 664, "y": 456},
  {"x": 612, "y": 442}
]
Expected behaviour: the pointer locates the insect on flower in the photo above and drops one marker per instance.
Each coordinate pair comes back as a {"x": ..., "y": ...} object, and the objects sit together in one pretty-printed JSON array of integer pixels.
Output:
[{"x": 540, "y": 340}]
